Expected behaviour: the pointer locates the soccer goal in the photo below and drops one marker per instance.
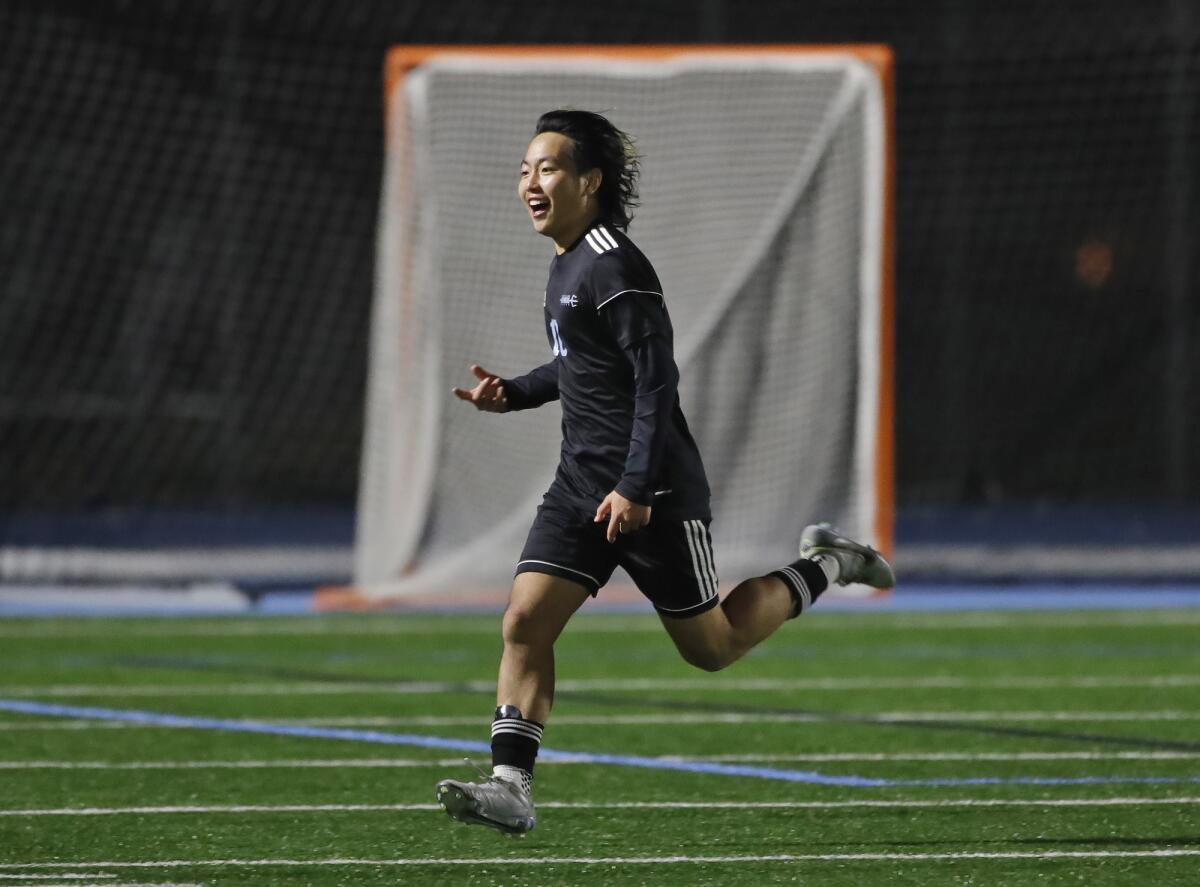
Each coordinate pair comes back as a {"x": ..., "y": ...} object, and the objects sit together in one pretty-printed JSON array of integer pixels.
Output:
[{"x": 765, "y": 191}]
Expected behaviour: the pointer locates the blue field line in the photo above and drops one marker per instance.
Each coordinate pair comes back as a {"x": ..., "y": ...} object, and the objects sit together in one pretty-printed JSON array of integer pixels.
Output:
[
  {"x": 811, "y": 777},
  {"x": 159, "y": 719}
]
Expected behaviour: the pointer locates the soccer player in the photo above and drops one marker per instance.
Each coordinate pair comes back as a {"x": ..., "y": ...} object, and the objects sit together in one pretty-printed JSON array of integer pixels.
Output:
[{"x": 630, "y": 489}]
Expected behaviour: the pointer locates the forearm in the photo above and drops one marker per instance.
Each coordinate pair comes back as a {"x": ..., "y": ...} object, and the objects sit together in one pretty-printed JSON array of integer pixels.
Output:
[
  {"x": 656, "y": 386},
  {"x": 533, "y": 389}
]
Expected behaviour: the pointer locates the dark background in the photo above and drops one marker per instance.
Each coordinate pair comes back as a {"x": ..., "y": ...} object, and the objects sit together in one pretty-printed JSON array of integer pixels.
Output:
[{"x": 188, "y": 200}]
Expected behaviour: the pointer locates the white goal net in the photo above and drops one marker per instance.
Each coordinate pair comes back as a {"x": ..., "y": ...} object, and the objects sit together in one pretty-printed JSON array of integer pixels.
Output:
[{"x": 763, "y": 210}]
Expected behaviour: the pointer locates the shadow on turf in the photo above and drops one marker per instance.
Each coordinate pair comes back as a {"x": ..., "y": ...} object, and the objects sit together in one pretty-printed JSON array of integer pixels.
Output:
[
  {"x": 1164, "y": 843},
  {"x": 241, "y": 668},
  {"x": 845, "y": 718},
  {"x": 1161, "y": 843}
]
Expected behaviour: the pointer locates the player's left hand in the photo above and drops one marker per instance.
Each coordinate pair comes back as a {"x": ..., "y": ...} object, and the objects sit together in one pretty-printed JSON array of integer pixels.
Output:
[{"x": 624, "y": 517}]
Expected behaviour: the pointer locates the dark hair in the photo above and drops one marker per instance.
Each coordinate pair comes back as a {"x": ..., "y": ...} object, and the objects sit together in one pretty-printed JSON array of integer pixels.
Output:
[{"x": 600, "y": 145}]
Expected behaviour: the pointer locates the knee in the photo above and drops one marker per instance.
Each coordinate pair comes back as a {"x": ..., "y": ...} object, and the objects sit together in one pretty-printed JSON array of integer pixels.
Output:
[
  {"x": 521, "y": 626},
  {"x": 706, "y": 658}
]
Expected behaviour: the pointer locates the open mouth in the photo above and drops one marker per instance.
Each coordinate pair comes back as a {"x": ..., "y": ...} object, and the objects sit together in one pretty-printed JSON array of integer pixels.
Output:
[{"x": 539, "y": 207}]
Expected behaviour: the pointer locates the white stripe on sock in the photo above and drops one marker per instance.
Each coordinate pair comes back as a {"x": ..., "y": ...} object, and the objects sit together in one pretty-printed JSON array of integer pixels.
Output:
[
  {"x": 800, "y": 586},
  {"x": 517, "y": 731},
  {"x": 517, "y": 727}
]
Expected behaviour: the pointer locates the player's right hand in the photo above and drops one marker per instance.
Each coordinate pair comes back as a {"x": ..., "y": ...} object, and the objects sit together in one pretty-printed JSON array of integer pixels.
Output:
[{"x": 488, "y": 395}]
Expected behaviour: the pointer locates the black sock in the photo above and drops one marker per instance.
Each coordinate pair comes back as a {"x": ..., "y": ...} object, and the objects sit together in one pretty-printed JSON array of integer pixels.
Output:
[
  {"x": 515, "y": 743},
  {"x": 806, "y": 580}
]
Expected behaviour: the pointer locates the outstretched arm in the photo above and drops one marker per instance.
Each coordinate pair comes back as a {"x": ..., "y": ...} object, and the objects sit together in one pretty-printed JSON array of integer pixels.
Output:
[
  {"x": 495, "y": 395},
  {"x": 533, "y": 389},
  {"x": 488, "y": 395}
]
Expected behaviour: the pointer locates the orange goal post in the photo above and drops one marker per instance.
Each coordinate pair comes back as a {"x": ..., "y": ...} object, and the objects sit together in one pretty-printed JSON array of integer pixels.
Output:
[{"x": 767, "y": 208}]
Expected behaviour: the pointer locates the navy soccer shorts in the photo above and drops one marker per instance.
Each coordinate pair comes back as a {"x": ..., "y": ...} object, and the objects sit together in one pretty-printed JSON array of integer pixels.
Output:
[{"x": 670, "y": 560}]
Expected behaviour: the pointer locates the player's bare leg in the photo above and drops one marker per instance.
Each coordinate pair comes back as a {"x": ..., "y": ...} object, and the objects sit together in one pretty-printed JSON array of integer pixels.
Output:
[
  {"x": 757, "y": 607},
  {"x": 720, "y": 636},
  {"x": 539, "y": 607}
]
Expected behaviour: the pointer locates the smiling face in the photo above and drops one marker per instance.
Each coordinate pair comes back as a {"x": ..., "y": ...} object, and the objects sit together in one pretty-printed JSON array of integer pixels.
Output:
[{"x": 560, "y": 200}]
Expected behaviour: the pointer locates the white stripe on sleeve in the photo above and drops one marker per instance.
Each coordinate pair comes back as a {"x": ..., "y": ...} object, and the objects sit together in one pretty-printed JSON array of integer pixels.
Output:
[{"x": 606, "y": 236}]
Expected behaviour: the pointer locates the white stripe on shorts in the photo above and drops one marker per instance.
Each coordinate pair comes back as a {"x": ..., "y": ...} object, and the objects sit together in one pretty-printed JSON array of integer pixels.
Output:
[
  {"x": 706, "y": 550},
  {"x": 701, "y": 558},
  {"x": 697, "y": 571}
]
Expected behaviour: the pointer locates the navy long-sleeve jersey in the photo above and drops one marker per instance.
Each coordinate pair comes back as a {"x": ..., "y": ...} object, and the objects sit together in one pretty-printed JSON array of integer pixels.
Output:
[{"x": 614, "y": 370}]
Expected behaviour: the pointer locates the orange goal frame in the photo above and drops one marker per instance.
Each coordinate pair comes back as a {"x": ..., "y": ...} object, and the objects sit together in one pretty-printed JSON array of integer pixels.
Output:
[{"x": 400, "y": 60}]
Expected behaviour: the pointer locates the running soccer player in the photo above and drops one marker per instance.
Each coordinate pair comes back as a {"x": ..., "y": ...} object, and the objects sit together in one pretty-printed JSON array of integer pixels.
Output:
[{"x": 627, "y": 457}]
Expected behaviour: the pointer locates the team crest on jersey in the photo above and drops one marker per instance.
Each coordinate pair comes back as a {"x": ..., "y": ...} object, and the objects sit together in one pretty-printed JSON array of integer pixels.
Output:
[{"x": 568, "y": 299}]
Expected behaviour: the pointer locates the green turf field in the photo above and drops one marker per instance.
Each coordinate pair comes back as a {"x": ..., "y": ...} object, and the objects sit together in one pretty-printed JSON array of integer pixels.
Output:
[{"x": 984, "y": 748}]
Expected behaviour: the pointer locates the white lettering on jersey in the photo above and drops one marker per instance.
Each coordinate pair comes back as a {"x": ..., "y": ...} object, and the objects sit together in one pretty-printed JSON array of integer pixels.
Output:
[{"x": 560, "y": 349}]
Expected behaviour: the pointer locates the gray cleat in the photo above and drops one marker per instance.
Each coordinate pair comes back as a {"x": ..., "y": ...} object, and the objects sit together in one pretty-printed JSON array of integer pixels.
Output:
[
  {"x": 856, "y": 562},
  {"x": 494, "y": 802}
]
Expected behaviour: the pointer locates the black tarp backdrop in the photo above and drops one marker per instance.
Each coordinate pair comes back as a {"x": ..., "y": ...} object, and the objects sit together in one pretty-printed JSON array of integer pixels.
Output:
[{"x": 188, "y": 198}]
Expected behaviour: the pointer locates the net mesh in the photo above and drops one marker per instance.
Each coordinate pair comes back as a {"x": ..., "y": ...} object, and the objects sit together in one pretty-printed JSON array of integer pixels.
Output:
[
  {"x": 176, "y": 266},
  {"x": 761, "y": 212},
  {"x": 191, "y": 192}
]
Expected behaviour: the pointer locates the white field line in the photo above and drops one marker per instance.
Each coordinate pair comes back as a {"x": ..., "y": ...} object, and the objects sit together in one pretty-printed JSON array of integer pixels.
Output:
[
  {"x": 488, "y": 685},
  {"x": 616, "y": 805},
  {"x": 770, "y": 718},
  {"x": 401, "y": 763},
  {"x": 707, "y": 718},
  {"x": 297, "y": 689},
  {"x": 76, "y": 876},
  {"x": 350, "y": 763},
  {"x": 629, "y": 860},
  {"x": 588, "y": 624},
  {"x": 884, "y": 757},
  {"x": 936, "y": 682},
  {"x": 10, "y": 726},
  {"x": 1024, "y": 619},
  {"x": 308, "y": 626}
]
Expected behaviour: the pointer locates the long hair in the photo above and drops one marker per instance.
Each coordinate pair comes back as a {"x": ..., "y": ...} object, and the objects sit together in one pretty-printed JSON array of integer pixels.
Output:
[{"x": 600, "y": 145}]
